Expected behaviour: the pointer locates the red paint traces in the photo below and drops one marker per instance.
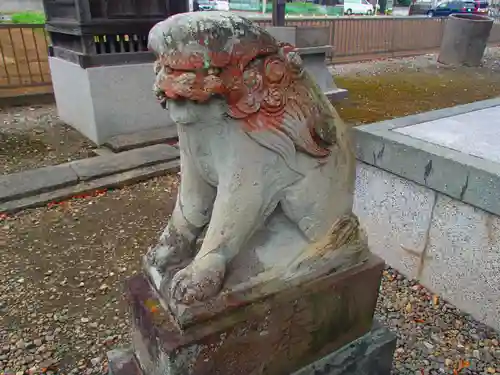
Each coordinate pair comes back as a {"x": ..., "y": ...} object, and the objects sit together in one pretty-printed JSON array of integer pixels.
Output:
[{"x": 261, "y": 86}]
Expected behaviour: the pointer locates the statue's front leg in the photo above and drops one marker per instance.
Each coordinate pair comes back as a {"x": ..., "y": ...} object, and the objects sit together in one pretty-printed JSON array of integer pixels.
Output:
[
  {"x": 239, "y": 209},
  {"x": 191, "y": 214}
]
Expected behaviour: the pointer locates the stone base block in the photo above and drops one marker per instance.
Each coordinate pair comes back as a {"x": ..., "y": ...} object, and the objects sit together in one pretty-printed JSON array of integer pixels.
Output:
[
  {"x": 277, "y": 335},
  {"x": 371, "y": 354},
  {"x": 107, "y": 101}
]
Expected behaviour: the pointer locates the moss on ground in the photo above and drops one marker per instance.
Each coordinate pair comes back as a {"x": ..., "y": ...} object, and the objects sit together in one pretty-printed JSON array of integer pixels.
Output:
[{"x": 375, "y": 98}]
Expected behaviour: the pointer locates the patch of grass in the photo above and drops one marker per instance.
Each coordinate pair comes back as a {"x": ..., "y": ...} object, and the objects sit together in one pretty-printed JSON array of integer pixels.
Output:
[
  {"x": 309, "y": 9},
  {"x": 28, "y": 17},
  {"x": 398, "y": 94}
]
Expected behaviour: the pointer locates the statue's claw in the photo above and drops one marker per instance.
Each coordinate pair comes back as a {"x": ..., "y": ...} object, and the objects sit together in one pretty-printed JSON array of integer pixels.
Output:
[
  {"x": 200, "y": 280},
  {"x": 163, "y": 256}
]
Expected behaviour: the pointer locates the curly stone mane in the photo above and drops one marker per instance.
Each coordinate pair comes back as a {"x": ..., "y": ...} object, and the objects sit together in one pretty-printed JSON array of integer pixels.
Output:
[{"x": 262, "y": 80}]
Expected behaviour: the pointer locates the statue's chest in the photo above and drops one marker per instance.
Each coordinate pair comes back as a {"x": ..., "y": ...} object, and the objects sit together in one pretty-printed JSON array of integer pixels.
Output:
[{"x": 208, "y": 147}]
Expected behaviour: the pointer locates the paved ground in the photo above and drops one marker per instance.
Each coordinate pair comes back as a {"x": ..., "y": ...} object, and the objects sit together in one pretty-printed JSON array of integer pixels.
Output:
[{"x": 64, "y": 267}]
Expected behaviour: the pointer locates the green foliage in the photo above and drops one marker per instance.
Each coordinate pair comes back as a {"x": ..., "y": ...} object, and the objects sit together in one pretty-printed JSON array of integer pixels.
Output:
[
  {"x": 28, "y": 17},
  {"x": 308, "y": 9}
]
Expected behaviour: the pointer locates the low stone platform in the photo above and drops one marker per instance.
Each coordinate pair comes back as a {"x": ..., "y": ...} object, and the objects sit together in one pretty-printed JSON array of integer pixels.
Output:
[
  {"x": 279, "y": 335},
  {"x": 428, "y": 193},
  {"x": 36, "y": 187},
  {"x": 371, "y": 354}
]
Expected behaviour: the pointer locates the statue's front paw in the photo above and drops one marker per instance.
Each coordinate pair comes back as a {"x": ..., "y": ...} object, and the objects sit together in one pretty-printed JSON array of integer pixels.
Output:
[
  {"x": 163, "y": 256},
  {"x": 199, "y": 281}
]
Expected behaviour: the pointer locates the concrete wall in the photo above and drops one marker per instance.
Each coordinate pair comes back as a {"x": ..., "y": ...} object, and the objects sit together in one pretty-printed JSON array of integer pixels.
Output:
[
  {"x": 12, "y": 6},
  {"x": 451, "y": 247},
  {"x": 107, "y": 101},
  {"x": 432, "y": 211}
]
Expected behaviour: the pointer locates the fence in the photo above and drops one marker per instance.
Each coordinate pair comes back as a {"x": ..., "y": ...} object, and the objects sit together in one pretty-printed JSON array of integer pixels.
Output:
[
  {"x": 23, "y": 57},
  {"x": 24, "y": 61}
]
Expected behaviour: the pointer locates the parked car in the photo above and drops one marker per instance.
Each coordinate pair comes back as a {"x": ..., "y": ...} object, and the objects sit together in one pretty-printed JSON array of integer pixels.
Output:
[
  {"x": 357, "y": 7},
  {"x": 446, "y": 8},
  {"x": 425, "y": 7},
  {"x": 213, "y": 5},
  {"x": 419, "y": 7}
]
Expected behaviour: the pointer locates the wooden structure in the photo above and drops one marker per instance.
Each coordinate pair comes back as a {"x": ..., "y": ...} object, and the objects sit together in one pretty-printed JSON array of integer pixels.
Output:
[{"x": 105, "y": 32}]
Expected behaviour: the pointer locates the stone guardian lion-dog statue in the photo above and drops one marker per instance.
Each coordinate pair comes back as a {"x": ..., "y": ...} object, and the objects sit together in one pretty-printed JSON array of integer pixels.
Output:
[{"x": 267, "y": 166}]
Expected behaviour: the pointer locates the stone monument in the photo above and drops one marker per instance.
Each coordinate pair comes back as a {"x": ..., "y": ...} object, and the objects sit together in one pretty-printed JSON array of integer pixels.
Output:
[{"x": 262, "y": 268}]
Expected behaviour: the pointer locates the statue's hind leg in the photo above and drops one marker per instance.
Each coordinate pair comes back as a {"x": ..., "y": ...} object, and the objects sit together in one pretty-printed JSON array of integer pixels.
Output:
[
  {"x": 319, "y": 199},
  {"x": 191, "y": 214}
]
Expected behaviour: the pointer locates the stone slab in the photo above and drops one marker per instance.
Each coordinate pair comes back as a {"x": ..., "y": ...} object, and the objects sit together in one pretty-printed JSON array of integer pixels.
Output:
[
  {"x": 114, "y": 181},
  {"x": 450, "y": 246},
  {"x": 475, "y": 133},
  {"x": 458, "y": 174},
  {"x": 397, "y": 214},
  {"x": 276, "y": 335},
  {"x": 125, "y": 142},
  {"x": 22, "y": 184},
  {"x": 99, "y": 166},
  {"x": 371, "y": 354},
  {"x": 464, "y": 264}
]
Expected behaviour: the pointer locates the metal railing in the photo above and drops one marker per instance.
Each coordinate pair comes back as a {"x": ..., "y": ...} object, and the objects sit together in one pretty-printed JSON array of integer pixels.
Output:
[
  {"x": 23, "y": 56},
  {"x": 24, "y": 60}
]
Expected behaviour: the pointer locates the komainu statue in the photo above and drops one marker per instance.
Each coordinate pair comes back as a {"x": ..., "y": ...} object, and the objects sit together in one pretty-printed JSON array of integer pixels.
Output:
[{"x": 267, "y": 166}]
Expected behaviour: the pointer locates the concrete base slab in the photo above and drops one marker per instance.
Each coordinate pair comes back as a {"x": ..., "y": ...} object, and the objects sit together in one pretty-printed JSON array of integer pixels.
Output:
[
  {"x": 125, "y": 142},
  {"x": 114, "y": 181},
  {"x": 104, "y": 102},
  {"x": 34, "y": 187}
]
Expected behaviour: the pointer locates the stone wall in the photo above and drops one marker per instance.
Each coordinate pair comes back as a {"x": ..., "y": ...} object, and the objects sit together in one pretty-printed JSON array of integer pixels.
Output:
[
  {"x": 431, "y": 212},
  {"x": 451, "y": 247}
]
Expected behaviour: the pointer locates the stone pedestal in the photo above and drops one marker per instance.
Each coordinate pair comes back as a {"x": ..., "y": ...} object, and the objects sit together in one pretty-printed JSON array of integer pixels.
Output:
[
  {"x": 322, "y": 325},
  {"x": 313, "y": 46},
  {"x": 103, "y": 102}
]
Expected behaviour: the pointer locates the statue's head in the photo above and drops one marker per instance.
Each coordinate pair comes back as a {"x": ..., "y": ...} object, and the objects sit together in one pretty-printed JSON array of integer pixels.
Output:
[{"x": 220, "y": 64}]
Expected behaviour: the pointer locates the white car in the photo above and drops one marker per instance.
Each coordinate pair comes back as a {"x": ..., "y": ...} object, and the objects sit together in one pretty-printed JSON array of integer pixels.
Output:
[
  {"x": 221, "y": 5},
  {"x": 358, "y": 7},
  {"x": 212, "y": 5}
]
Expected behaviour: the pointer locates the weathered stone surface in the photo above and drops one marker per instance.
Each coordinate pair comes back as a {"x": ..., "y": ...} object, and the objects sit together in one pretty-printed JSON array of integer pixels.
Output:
[
  {"x": 267, "y": 166},
  {"x": 464, "y": 264},
  {"x": 277, "y": 335},
  {"x": 125, "y": 142},
  {"x": 371, "y": 354},
  {"x": 123, "y": 362},
  {"x": 22, "y": 184},
  {"x": 450, "y": 150},
  {"x": 100, "y": 166},
  {"x": 396, "y": 213}
]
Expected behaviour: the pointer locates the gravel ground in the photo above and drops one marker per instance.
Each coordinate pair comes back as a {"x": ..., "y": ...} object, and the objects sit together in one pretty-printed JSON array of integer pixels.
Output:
[
  {"x": 63, "y": 268},
  {"x": 62, "y": 275},
  {"x": 32, "y": 137},
  {"x": 491, "y": 61}
]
